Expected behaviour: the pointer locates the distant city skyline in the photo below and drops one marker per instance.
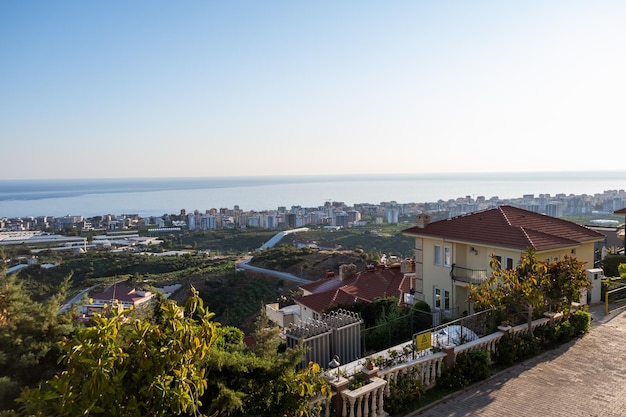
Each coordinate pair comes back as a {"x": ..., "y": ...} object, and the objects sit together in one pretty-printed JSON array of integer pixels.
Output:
[{"x": 159, "y": 89}]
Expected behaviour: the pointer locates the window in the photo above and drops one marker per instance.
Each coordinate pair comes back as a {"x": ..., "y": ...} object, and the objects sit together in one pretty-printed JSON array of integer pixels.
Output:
[
  {"x": 447, "y": 256},
  {"x": 509, "y": 263},
  {"x": 437, "y": 257},
  {"x": 446, "y": 300},
  {"x": 498, "y": 259},
  {"x": 316, "y": 316},
  {"x": 437, "y": 299}
]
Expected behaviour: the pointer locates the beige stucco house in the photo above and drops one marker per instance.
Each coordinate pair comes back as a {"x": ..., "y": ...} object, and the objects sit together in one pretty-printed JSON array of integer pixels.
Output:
[{"x": 452, "y": 253}]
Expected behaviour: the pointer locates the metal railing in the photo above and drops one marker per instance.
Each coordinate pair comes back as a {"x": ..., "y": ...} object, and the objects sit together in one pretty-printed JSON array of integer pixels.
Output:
[
  {"x": 614, "y": 300},
  {"x": 474, "y": 276}
]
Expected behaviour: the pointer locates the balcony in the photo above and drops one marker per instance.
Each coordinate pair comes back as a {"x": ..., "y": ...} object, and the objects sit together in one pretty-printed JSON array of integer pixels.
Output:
[{"x": 470, "y": 276}]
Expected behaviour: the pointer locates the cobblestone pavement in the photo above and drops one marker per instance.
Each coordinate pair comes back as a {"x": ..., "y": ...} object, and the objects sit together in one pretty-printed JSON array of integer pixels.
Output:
[{"x": 585, "y": 377}]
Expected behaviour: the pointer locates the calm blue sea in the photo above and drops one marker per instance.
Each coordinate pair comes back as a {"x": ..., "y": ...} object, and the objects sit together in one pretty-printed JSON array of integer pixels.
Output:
[{"x": 155, "y": 197}]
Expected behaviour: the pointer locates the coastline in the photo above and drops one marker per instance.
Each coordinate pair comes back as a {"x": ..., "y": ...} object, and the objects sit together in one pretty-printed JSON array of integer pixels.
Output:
[{"x": 157, "y": 196}]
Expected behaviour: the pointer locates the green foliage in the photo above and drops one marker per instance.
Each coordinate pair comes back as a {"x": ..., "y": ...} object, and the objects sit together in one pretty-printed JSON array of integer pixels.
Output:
[
  {"x": 261, "y": 380},
  {"x": 405, "y": 392},
  {"x": 581, "y": 321},
  {"x": 234, "y": 299},
  {"x": 547, "y": 335},
  {"x": 225, "y": 241},
  {"x": 357, "y": 380},
  {"x": 469, "y": 368},
  {"x": 29, "y": 332},
  {"x": 527, "y": 289},
  {"x": 282, "y": 256},
  {"x": 622, "y": 270},
  {"x": 371, "y": 239},
  {"x": 385, "y": 323},
  {"x": 228, "y": 337},
  {"x": 123, "y": 367},
  {"x": 564, "y": 331},
  {"x": 513, "y": 349},
  {"x": 96, "y": 268},
  {"x": 610, "y": 264},
  {"x": 563, "y": 283}
]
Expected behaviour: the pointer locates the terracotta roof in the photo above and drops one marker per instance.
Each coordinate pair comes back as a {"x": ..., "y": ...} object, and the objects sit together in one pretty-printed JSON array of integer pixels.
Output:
[
  {"x": 365, "y": 286},
  {"x": 508, "y": 226},
  {"x": 620, "y": 211},
  {"x": 119, "y": 292}
]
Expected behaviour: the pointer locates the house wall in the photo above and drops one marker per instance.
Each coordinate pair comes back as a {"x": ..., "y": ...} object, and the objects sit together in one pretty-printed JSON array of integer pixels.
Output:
[
  {"x": 437, "y": 276},
  {"x": 308, "y": 314}
]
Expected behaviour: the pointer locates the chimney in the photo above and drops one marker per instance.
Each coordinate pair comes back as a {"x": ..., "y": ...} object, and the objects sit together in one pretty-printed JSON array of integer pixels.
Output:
[
  {"x": 407, "y": 266},
  {"x": 347, "y": 271},
  {"x": 422, "y": 220}
]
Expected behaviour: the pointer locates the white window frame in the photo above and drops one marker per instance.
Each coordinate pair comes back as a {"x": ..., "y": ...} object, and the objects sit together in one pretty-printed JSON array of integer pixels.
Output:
[
  {"x": 437, "y": 298},
  {"x": 447, "y": 256},
  {"x": 437, "y": 255},
  {"x": 508, "y": 260}
]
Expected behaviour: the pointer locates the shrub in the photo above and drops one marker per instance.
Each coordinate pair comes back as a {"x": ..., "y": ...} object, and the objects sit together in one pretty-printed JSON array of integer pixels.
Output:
[
  {"x": 581, "y": 321},
  {"x": 405, "y": 393},
  {"x": 513, "y": 349},
  {"x": 469, "y": 368},
  {"x": 610, "y": 264},
  {"x": 564, "y": 331},
  {"x": 357, "y": 380},
  {"x": 547, "y": 336}
]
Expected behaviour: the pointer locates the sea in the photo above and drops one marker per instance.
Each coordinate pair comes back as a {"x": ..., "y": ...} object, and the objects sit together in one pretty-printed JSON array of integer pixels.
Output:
[{"x": 158, "y": 196}]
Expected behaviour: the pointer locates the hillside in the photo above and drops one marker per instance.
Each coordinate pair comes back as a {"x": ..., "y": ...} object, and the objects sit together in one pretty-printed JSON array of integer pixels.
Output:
[{"x": 237, "y": 298}]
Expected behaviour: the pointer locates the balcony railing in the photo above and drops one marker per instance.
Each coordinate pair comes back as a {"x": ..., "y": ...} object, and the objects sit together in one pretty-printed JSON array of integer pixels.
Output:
[{"x": 474, "y": 276}]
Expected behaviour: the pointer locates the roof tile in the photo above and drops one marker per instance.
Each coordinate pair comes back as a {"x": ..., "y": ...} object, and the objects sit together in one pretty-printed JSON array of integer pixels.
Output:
[{"x": 509, "y": 226}]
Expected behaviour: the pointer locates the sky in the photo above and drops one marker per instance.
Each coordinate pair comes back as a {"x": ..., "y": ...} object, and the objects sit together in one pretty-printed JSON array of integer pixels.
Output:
[{"x": 115, "y": 89}]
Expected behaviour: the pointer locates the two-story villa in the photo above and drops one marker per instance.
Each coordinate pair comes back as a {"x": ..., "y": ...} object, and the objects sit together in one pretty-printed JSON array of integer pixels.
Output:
[{"x": 452, "y": 253}]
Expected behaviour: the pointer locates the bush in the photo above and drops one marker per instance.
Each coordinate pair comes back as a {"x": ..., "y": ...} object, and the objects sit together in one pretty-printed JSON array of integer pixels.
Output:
[
  {"x": 405, "y": 393},
  {"x": 469, "y": 368},
  {"x": 610, "y": 264},
  {"x": 357, "y": 380},
  {"x": 516, "y": 349},
  {"x": 564, "y": 331},
  {"x": 581, "y": 322},
  {"x": 547, "y": 336}
]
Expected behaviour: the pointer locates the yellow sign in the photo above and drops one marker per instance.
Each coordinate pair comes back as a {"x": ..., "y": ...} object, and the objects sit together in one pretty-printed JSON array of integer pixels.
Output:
[{"x": 424, "y": 341}]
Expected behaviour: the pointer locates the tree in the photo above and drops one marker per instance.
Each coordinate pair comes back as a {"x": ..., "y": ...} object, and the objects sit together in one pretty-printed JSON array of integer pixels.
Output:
[
  {"x": 261, "y": 380},
  {"x": 527, "y": 289},
  {"x": 174, "y": 362},
  {"x": 566, "y": 278},
  {"x": 131, "y": 367},
  {"x": 29, "y": 332}
]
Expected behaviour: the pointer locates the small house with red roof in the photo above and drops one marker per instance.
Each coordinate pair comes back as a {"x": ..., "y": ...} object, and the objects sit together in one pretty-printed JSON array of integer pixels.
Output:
[
  {"x": 120, "y": 295},
  {"x": 452, "y": 253},
  {"x": 351, "y": 286}
]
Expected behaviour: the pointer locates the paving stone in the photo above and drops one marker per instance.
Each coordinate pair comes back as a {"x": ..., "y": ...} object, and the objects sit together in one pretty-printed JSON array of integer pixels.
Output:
[{"x": 584, "y": 377}]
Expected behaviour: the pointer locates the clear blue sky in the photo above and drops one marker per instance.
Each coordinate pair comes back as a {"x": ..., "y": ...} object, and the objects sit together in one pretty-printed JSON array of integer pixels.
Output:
[{"x": 208, "y": 88}]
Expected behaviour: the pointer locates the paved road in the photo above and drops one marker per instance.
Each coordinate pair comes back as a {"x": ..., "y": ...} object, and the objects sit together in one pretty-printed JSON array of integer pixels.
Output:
[
  {"x": 284, "y": 275},
  {"x": 244, "y": 264},
  {"x": 586, "y": 377},
  {"x": 75, "y": 300}
]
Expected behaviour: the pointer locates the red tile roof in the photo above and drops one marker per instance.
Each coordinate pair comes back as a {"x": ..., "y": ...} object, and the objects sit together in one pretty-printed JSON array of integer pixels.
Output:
[
  {"x": 511, "y": 227},
  {"x": 620, "y": 211},
  {"x": 119, "y": 292},
  {"x": 364, "y": 286}
]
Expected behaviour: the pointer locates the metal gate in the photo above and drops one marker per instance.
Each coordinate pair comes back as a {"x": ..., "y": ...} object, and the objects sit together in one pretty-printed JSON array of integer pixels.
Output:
[{"x": 336, "y": 333}]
